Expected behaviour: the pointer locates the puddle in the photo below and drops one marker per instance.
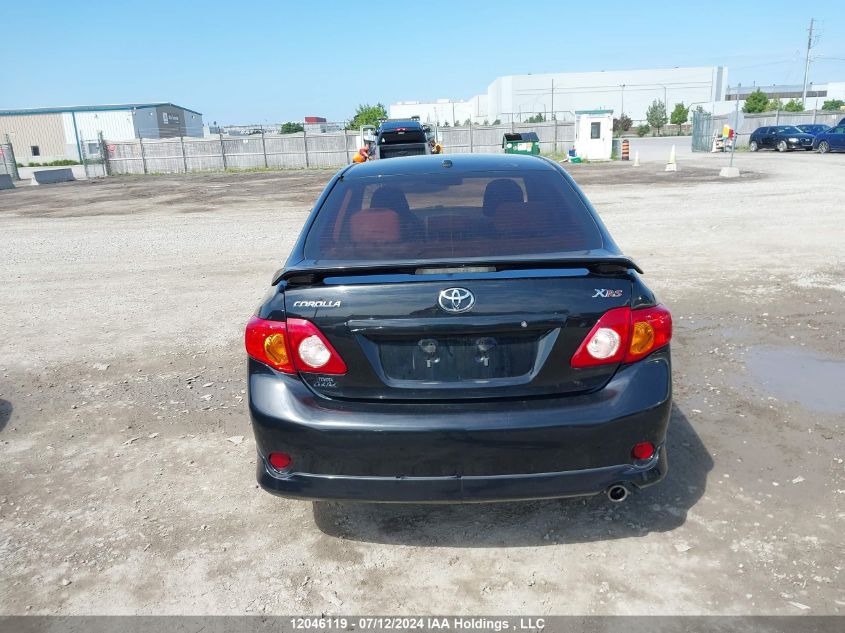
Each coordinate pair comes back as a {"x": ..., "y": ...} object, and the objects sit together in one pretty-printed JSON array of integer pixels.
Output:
[{"x": 815, "y": 382}]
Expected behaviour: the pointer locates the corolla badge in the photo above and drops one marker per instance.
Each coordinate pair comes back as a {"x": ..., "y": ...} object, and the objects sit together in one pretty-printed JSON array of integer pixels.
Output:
[{"x": 456, "y": 300}]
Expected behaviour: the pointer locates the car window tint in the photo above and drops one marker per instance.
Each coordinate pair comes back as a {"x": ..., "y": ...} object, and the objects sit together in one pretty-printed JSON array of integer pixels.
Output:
[{"x": 439, "y": 216}]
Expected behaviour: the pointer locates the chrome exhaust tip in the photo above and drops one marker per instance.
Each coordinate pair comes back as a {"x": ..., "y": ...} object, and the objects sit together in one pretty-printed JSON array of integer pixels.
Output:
[{"x": 617, "y": 493}]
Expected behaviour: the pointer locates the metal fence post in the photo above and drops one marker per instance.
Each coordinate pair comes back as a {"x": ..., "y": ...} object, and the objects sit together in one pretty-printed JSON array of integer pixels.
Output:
[
  {"x": 184, "y": 158},
  {"x": 223, "y": 152},
  {"x": 470, "y": 137},
  {"x": 104, "y": 154},
  {"x": 84, "y": 153},
  {"x": 305, "y": 146},
  {"x": 143, "y": 156},
  {"x": 264, "y": 147}
]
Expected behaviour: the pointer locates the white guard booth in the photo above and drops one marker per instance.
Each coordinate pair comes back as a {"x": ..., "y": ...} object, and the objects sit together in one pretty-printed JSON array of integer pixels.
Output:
[{"x": 594, "y": 134}]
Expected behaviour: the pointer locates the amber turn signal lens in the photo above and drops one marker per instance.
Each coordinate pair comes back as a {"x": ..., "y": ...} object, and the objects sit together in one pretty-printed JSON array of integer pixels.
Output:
[
  {"x": 277, "y": 349},
  {"x": 642, "y": 337}
]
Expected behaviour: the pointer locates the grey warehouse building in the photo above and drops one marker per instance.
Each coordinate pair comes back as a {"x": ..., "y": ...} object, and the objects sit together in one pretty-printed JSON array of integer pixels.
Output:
[{"x": 45, "y": 135}]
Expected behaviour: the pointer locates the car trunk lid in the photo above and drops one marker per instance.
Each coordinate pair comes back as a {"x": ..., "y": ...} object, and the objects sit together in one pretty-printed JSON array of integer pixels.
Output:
[{"x": 445, "y": 336}]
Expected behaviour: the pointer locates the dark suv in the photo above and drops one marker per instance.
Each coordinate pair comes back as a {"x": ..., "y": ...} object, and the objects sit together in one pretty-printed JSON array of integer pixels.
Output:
[
  {"x": 780, "y": 137},
  {"x": 458, "y": 330}
]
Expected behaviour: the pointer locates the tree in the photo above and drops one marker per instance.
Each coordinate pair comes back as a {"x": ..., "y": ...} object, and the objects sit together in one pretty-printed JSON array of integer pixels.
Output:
[
  {"x": 622, "y": 124},
  {"x": 497, "y": 122},
  {"x": 486, "y": 122},
  {"x": 642, "y": 130},
  {"x": 756, "y": 102},
  {"x": 367, "y": 114},
  {"x": 290, "y": 128},
  {"x": 679, "y": 115},
  {"x": 833, "y": 104},
  {"x": 793, "y": 105},
  {"x": 773, "y": 105},
  {"x": 656, "y": 115},
  {"x": 537, "y": 118},
  {"x": 445, "y": 124},
  {"x": 468, "y": 122}
]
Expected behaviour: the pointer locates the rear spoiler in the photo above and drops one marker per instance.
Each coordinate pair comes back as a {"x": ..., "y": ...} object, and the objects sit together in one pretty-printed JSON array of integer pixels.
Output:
[{"x": 308, "y": 272}]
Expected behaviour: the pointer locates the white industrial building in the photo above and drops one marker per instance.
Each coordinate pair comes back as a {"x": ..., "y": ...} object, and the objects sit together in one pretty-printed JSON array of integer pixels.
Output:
[
  {"x": 517, "y": 97},
  {"x": 44, "y": 135}
]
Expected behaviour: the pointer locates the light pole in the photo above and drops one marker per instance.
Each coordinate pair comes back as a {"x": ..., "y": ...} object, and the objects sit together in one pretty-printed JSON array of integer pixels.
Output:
[{"x": 623, "y": 98}]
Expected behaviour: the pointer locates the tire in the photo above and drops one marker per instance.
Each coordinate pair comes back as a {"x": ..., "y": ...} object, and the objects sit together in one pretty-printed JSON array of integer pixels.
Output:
[
  {"x": 753, "y": 146},
  {"x": 782, "y": 146},
  {"x": 824, "y": 147}
]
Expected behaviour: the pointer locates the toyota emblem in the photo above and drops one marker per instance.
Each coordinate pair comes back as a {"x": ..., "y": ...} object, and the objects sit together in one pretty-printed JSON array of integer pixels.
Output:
[{"x": 456, "y": 300}]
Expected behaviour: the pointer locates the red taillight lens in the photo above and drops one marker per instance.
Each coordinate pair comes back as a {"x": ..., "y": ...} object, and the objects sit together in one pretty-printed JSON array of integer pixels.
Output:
[
  {"x": 279, "y": 461},
  {"x": 312, "y": 352},
  {"x": 267, "y": 341},
  {"x": 598, "y": 348},
  {"x": 288, "y": 346},
  {"x": 624, "y": 335},
  {"x": 643, "y": 450}
]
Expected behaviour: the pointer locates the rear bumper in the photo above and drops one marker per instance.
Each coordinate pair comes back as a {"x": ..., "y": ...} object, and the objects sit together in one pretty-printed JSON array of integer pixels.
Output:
[
  {"x": 458, "y": 489},
  {"x": 461, "y": 451}
]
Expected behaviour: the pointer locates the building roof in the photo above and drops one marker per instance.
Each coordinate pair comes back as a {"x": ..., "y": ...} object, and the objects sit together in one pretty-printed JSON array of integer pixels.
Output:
[{"x": 93, "y": 108}]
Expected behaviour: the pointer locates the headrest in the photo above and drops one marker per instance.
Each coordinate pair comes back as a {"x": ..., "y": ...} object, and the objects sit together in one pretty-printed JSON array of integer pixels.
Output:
[{"x": 374, "y": 225}]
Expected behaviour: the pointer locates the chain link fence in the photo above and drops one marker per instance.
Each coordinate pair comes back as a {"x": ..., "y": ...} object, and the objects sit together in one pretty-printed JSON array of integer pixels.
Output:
[{"x": 706, "y": 127}]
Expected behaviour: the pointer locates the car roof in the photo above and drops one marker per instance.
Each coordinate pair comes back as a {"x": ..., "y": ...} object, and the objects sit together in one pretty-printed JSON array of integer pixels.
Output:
[{"x": 457, "y": 164}]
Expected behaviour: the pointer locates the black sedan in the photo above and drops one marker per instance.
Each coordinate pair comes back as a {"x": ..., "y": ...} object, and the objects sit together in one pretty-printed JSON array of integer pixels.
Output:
[
  {"x": 458, "y": 330},
  {"x": 780, "y": 137}
]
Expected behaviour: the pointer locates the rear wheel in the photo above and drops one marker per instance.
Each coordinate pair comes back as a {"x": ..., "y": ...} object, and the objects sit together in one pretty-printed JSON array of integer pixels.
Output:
[
  {"x": 824, "y": 147},
  {"x": 782, "y": 147},
  {"x": 753, "y": 146}
]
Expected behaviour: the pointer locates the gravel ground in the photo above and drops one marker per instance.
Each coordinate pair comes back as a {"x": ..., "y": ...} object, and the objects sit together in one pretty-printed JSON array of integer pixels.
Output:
[{"x": 127, "y": 461}]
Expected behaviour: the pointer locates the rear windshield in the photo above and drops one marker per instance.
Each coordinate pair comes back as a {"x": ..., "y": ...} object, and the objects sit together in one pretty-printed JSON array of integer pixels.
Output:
[
  {"x": 788, "y": 129},
  {"x": 403, "y": 136},
  {"x": 445, "y": 216}
]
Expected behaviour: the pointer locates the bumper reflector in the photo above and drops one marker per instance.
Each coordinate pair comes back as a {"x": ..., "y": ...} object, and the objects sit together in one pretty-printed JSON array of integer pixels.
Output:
[
  {"x": 643, "y": 450},
  {"x": 279, "y": 461}
]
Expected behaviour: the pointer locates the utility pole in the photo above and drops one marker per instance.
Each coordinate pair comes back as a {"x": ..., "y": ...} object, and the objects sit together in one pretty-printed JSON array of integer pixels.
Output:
[{"x": 807, "y": 65}]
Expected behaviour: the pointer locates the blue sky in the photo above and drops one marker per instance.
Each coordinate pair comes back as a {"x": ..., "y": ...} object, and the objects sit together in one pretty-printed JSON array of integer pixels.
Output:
[{"x": 251, "y": 62}]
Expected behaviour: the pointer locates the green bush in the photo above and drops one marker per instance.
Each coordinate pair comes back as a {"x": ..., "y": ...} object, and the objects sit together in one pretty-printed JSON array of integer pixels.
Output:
[
  {"x": 756, "y": 102},
  {"x": 793, "y": 105},
  {"x": 56, "y": 163},
  {"x": 643, "y": 129},
  {"x": 833, "y": 104}
]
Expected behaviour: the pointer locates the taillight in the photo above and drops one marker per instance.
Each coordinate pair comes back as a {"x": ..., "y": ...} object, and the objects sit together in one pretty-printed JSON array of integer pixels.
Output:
[
  {"x": 311, "y": 350},
  {"x": 651, "y": 329},
  {"x": 288, "y": 346},
  {"x": 596, "y": 349},
  {"x": 267, "y": 341},
  {"x": 624, "y": 335}
]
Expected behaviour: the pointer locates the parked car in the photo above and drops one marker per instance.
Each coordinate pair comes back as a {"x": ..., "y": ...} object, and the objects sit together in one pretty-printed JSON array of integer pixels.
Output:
[
  {"x": 458, "y": 330},
  {"x": 813, "y": 128},
  {"x": 831, "y": 141},
  {"x": 780, "y": 137}
]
